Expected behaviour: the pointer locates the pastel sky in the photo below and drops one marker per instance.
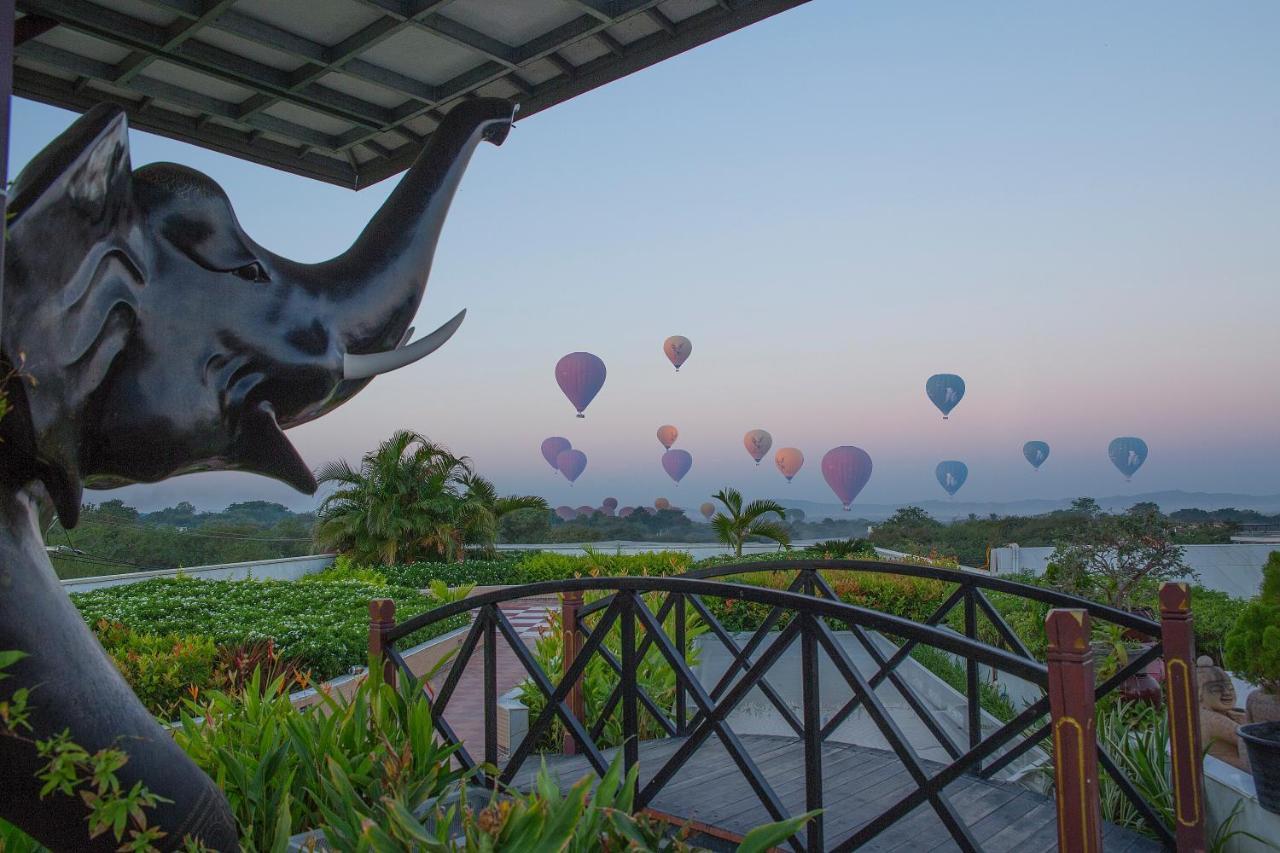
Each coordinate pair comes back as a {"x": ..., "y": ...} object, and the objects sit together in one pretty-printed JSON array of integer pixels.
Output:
[{"x": 1076, "y": 207}]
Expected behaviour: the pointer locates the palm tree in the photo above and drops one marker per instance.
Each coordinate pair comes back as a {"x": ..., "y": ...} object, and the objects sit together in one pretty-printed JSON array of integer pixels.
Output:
[
  {"x": 743, "y": 522},
  {"x": 410, "y": 499}
]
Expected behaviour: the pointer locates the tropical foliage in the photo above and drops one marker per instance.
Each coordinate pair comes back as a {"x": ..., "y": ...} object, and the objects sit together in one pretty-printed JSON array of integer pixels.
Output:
[
  {"x": 1119, "y": 559},
  {"x": 411, "y": 499},
  {"x": 1253, "y": 645},
  {"x": 365, "y": 773},
  {"x": 738, "y": 523}
]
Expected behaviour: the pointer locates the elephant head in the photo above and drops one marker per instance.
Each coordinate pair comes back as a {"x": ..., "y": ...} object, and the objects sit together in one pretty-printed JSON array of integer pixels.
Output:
[
  {"x": 163, "y": 340},
  {"x": 153, "y": 337}
]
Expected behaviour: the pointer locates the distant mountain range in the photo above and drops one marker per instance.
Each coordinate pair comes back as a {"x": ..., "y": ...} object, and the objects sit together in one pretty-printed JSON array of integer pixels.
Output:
[{"x": 947, "y": 510}]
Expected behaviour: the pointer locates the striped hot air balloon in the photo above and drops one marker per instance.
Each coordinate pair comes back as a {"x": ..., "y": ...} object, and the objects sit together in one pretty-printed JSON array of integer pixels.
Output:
[{"x": 580, "y": 376}]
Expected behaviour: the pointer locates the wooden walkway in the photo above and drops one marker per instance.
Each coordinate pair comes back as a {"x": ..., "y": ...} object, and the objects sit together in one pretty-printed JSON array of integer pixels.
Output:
[{"x": 859, "y": 784}]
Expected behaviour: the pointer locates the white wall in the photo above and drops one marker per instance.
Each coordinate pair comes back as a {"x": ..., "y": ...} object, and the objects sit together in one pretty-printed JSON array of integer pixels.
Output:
[
  {"x": 1235, "y": 569},
  {"x": 283, "y": 569}
]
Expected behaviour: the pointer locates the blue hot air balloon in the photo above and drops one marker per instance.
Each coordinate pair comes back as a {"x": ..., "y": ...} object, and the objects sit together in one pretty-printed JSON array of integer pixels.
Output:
[
  {"x": 952, "y": 474},
  {"x": 1127, "y": 454},
  {"x": 1036, "y": 452},
  {"x": 945, "y": 390}
]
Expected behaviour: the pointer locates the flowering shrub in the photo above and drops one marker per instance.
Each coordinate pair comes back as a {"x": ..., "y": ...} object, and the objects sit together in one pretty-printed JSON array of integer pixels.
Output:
[
  {"x": 162, "y": 669},
  {"x": 322, "y": 627}
]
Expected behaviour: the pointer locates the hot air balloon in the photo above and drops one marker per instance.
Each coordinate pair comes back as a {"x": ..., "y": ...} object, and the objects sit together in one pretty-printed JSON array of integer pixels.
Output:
[
  {"x": 667, "y": 435},
  {"x": 585, "y": 511},
  {"x": 625, "y": 511},
  {"x": 678, "y": 349},
  {"x": 1127, "y": 454},
  {"x": 708, "y": 509},
  {"x": 952, "y": 474},
  {"x": 553, "y": 447},
  {"x": 677, "y": 463},
  {"x": 609, "y": 505},
  {"x": 846, "y": 470},
  {"x": 945, "y": 390},
  {"x": 1036, "y": 452},
  {"x": 757, "y": 442},
  {"x": 661, "y": 504},
  {"x": 580, "y": 376},
  {"x": 571, "y": 463},
  {"x": 795, "y": 514},
  {"x": 789, "y": 461},
  {"x": 566, "y": 513}
]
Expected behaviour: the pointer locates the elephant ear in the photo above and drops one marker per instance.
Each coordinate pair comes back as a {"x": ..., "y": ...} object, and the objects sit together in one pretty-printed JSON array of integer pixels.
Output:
[{"x": 72, "y": 277}]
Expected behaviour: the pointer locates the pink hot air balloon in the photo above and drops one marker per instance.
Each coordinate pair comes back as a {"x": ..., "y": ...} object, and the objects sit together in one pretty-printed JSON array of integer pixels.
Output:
[
  {"x": 566, "y": 513},
  {"x": 662, "y": 503},
  {"x": 846, "y": 470},
  {"x": 625, "y": 511},
  {"x": 585, "y": 511},
  {"x": 580, "y": 376},
  {"x": 708, "y": 509},
  {"x": 667, "y": 435},
  {"x": 677, "y": 463},
  {"x": 553, "y": 447},
  {"x": 789, "y": 461},
  {"x": 609, "y": 505},
  {"x": 757, "y": 443},
  {"x": 571, "y": 463},
  {"x": 677, "y": 348}
]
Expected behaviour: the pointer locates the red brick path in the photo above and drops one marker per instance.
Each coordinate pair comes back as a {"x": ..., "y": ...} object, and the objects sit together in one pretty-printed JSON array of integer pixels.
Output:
[{"x": 465, "y": 712}]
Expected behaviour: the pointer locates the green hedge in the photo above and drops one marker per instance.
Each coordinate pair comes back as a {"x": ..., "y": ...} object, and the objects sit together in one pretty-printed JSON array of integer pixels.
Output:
[
  {"x": 324, "y": 627},
  {"x": 531, "y": 568}
]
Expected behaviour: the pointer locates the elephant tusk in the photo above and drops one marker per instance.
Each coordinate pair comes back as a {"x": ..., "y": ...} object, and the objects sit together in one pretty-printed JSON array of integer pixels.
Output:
[{"x": 366, "y": 366}]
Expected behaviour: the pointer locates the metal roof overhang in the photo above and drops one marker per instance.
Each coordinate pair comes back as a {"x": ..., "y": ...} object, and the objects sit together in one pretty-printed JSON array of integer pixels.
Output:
[{"x": 345, "y": 91}]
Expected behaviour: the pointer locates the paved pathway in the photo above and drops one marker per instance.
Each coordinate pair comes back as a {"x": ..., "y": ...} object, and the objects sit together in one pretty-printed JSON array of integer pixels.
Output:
[{"x": 465, "y": 713}]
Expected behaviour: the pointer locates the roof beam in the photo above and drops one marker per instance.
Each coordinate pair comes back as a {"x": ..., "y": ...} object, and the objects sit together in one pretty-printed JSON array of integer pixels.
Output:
[
  {"x": 146, "y": 38},
  {"x": 29, "y": 27}
]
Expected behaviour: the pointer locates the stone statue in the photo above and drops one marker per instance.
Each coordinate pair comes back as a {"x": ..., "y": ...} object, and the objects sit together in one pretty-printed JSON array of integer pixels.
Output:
[
  {"x": 153, "y": 337},
  {"x": 1219, "y": 718}
]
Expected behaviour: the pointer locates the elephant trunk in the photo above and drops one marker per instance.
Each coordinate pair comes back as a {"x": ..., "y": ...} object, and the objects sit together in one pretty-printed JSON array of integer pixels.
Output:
[{"x": 379, "y": 282}]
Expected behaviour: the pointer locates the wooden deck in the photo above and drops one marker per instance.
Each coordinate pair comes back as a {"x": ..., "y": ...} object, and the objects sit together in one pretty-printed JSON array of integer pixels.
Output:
[{"x": 859, "y": 784}]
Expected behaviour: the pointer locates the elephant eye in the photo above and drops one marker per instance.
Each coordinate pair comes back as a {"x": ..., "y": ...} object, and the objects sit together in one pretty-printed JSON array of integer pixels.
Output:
[{"x": 252, "y": 272}]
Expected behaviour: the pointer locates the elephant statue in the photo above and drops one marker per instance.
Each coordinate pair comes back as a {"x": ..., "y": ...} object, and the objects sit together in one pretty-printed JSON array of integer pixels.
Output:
[{"x": 146, "y": 335}]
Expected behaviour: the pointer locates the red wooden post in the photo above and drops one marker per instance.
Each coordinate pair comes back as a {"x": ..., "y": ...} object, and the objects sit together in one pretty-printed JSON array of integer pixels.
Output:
[
  {"x": 570, "y": 604},
  {"x": 1075, "y": 750},
  {"x": 382, "y": 618},
  {"x": 1178, "y": 639}
]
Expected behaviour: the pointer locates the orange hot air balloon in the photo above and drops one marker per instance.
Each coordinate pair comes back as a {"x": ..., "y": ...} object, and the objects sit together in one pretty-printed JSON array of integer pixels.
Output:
[
  {"x": 677, "y": 348},
  {"x": 708, "y": 509},
  {"x": 789, "y": 461},
  {"x": 662, "y": 503},
  {"x": 667, "y": 435}
]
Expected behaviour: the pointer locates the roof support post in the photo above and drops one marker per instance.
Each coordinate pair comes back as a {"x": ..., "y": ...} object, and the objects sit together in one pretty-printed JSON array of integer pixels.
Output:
[{"x": 570, "y": 604}]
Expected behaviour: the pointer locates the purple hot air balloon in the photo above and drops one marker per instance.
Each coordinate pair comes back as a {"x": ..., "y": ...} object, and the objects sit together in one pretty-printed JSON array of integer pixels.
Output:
[
  {"x": 580, "y": 376},
  {"x": 585, "y": 511},
  {"x": 609, "y": 506},
  {"x": 677, "y": 463},
  {"x": 553, "y": 447},
  {"x": 846, "y": 470},
  {"x": 566, "y": 513},
  {"x": 625, "y": 511},
  {"x": 571, "y": 463}
]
